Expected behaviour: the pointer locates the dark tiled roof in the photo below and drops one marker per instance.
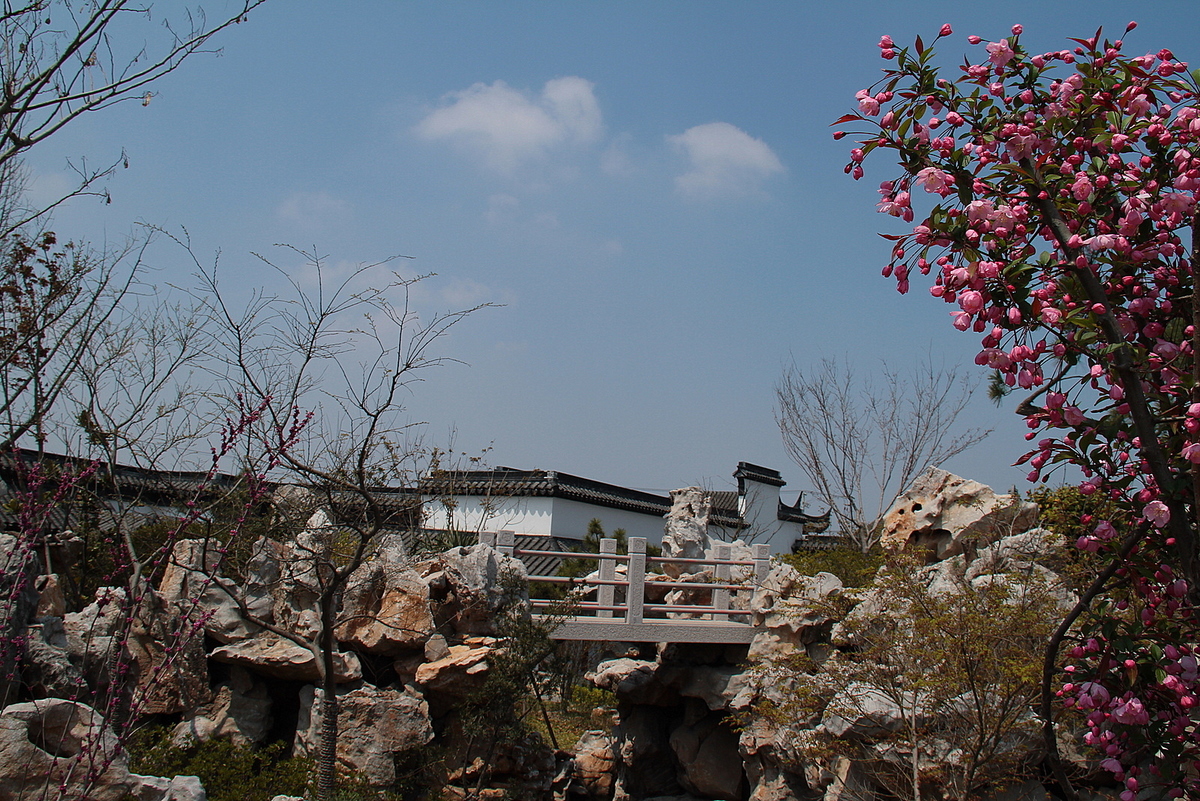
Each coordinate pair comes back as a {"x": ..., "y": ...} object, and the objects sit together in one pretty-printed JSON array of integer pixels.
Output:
[
  {"x": 763, "y": 475},
  {"x": 505, "y": 482},
  {"x": 813, "y": 524},
  {"x": 117, "y": 493}
]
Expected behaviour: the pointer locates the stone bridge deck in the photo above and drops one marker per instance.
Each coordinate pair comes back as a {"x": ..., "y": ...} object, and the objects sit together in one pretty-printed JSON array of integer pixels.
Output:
[{"x": 631, "y": 618}]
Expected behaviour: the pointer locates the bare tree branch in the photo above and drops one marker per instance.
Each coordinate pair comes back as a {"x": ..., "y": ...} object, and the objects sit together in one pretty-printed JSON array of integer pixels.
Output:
[{"x": 860, "y": 443}]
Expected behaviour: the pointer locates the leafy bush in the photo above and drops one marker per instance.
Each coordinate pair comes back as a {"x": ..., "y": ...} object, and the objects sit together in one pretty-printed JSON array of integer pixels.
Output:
[
  {"x": 852, "y": 566},
  {"x": 229, "y": 772},
  {"x": 1070, "y": 514}
]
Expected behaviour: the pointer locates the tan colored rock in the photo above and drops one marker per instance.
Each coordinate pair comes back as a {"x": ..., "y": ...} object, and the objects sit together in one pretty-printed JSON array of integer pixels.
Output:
[
  {"x": 167, "y": 657},
  {"x": 52, "y": 741},
  {"x": 271, "y": 655},
  {"x": 241, "y": 713},
  {"x": 709, "y": 762},
  {"x": 189, "y": 584},
  {"x": 594, "y": 768},
  {"x": 480, "y": 583},
  {"x": 385, "y": 608},
  {"x": 634, "y": 681},
  {"x": 462, "y": 671},
  {"x": 374, "y": 727},
  {"x": 51, "y": 600},
  {"x": 946, "y": 515},
  {"x": 163, "y": 653},
  {"x": 686, "y": 531}
]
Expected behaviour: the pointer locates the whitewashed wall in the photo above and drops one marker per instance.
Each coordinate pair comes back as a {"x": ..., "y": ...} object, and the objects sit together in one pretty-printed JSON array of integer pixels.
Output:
[{"x": 538, "y": 515}]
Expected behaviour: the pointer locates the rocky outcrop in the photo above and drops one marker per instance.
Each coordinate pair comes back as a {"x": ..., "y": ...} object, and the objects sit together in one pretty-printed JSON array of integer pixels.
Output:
[
  {"x": 677, "y": 736},
  {"x": 948, "y": 515},
  {"x": 686, "y": 534},
  {"x": 470, "y": 586},
  {"x": 593, "y": 766},
  {"x": 385, "y": 607},
  {"x": 47, "y": 739},
  {"x": 240, "y": 712},
  {"x": 375, "y": 726},
  {"x": 281, "y": 658},
  {"x": 18, "y": 565}
]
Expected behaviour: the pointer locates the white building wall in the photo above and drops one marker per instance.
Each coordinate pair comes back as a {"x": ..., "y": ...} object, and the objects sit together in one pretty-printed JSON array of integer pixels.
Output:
[
  {"x": 760, "y": 509},
  {"x": 529, "y": 515},
  {"x": 559, "y": 517},
  {"x": 571, "y": 520}
]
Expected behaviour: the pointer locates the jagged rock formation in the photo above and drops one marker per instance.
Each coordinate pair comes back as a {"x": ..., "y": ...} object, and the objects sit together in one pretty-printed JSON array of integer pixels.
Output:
[
  {"x": 694, "y": 721},
  {"x": 414, "y": 638},
  {"x": 417, "y": 636}
]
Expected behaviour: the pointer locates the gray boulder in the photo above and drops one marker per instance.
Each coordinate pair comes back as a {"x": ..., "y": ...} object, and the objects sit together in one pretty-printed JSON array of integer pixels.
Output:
[
  {"x": 375, "y": 726},
  {"x": 946, "y": 515}
]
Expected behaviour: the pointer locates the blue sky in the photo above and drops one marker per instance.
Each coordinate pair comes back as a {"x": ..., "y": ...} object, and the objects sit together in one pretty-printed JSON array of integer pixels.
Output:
[{"x": 650, "y": 189}]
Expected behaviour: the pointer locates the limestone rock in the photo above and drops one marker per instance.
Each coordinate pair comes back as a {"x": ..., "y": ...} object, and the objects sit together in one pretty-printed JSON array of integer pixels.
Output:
[
  {"x": 860, "y": 710},
  {"x": 163, "y": 654},
  {"x": 241, "y": 713},
  {"x": 473, "y": 585},
  {"x": 177, "y": 788},
  {"x": 271, "y": 655},
  {"x": 948, "y": 515},
  {"x": 594, "y": 765},
  {"x": 374, "y": 727},
  {"x": 90, "y": 633},
  {"x": 686, "y": 532},
  {"x": 51, "y": 601},
  {"x": 52, "y": 741},
  {"x": 299, "y": 586},
  {"x": 709, "y": 762},
  {"x": 18, "y": 564},
  {"x": 633, "y": 681},
  {"x": 1016, "y": 552},
  {"x": 49, "y": 671},
  {"x": 716, "y": 686},
  {"x": 168, "y": 660},
  {"x": 190, "y": 585},
  {"x": 385, "y": 607},
  {"x": 460, "y": 672},
  {"x": 792, "y": 613},
  {"x": 646, "y": 765}
]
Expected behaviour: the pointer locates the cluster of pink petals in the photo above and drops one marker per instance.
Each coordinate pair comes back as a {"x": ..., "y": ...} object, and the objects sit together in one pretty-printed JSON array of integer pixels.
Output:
[{"x": 1125, "y": 214}]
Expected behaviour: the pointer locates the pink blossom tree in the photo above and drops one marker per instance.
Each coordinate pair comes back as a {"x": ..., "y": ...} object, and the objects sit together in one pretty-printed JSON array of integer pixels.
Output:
[{"x": 1061, "y": 226}]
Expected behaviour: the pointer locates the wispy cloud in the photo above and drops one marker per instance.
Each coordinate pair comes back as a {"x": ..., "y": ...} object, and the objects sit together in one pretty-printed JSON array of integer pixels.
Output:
[
  {"x": 313, "y": 210},
  {"x": 508, "y": 128},
  {"x": 724, "y": 161}
]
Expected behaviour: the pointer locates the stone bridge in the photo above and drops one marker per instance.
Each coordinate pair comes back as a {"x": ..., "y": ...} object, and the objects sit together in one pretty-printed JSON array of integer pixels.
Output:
[{"x": 620, "y": 602}]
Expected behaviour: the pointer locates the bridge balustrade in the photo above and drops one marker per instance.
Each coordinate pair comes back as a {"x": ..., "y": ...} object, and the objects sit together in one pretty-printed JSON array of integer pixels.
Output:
[{"x": 633, "y": 619}]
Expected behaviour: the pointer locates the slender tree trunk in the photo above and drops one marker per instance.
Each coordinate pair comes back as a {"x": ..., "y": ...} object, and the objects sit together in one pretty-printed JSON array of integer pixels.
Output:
[{"x": 327, "y": 755}]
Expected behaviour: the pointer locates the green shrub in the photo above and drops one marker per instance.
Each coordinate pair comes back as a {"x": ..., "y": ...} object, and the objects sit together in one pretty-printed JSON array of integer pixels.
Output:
[
  {"x": 852, "y": 566},
  {"x": 229, "y": 772},
  {"x": 1070, "y": 514}
]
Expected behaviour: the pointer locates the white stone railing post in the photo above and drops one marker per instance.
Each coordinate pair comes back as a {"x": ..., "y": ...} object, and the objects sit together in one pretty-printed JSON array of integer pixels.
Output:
[
  {"x": 608, "y": 572},
  {"x": 762, "y": 563},
  {"x": 506, "y": 541},
  {"x": 721, "y": 597},
  {"x": 635, "y": 595},
  {"x": 487, "y": 538}
]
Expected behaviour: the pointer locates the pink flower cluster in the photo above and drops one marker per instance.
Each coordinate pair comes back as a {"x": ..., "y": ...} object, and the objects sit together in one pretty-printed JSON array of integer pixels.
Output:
[{"x": 1056, "y": 216}]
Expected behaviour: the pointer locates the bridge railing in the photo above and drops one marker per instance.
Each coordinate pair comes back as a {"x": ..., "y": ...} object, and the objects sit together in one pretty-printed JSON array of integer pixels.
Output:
[{"x": 634, "y": 618}]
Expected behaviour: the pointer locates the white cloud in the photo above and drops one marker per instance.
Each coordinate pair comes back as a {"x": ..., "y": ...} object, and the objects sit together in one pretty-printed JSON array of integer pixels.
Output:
[
  {"x": 615, "y": 160},
  {"x": 724, "y": 160},
  {"x": 508, "y": 128},
  {"x": 316, "y": 210},
  {"x": 463, "y": 293}
]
